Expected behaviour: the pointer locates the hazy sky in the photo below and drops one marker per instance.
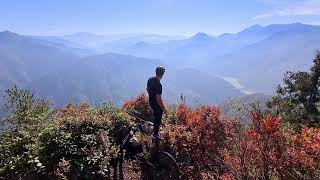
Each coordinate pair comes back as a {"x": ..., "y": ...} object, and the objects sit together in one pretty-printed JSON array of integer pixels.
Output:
[{"x": 45, "y": 17}]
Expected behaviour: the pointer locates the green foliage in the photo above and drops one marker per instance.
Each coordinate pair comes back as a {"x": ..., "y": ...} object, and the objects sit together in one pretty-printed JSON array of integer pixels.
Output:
[
  {"x": 18, "y": 154},
  {"x": 19, "y": 140},
  {"x": 119, "y": 122},
  {"x": 40, "y": 143},
  {"x": 79, "y": 140},
  {"x": 25, "y": 110},
  {"x": 298, "y": 98},
  {"x": 81, "y": 150}
]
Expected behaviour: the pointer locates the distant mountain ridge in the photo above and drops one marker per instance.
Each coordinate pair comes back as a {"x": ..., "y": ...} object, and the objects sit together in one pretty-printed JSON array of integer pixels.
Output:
[
  {"x": 271, "y": 50},
  {"x": 24, "y": 59},
  {"x": 50, "y": 68},
  {"x": 291, "y": 48},
  {"x": 65, "y": 45},
  {"x": 202, "y": 47},
  {"x": 74, "y": 67}
]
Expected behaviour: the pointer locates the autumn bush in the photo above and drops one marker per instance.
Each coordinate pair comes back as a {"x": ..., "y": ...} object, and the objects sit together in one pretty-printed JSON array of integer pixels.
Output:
[
  {"x": 139, "y": 106},
  {"x": 266, "y": 150},
  {"x": 207, "y": 145},
  {"x": 197, "y": 139}
]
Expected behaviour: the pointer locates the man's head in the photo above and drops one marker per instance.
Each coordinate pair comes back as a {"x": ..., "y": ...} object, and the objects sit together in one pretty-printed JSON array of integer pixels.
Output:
[{"x": 160, "y": 71}]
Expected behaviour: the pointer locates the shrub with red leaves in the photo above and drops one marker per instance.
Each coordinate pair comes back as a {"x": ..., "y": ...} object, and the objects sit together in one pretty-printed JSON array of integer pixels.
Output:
[
  {"x": 139, "y": 106},
  {"x": 208, "y": 146},
  {"x": 267, "y": 150},
  {"x": 197, "y": 138}
]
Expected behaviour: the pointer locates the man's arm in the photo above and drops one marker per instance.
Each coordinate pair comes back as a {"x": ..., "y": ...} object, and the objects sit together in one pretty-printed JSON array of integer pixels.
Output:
[{"x": 160, "y": 102}]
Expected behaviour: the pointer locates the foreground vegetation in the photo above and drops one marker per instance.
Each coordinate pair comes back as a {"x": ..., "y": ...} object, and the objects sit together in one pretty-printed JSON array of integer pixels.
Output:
[{"x": 80, "y": 142}]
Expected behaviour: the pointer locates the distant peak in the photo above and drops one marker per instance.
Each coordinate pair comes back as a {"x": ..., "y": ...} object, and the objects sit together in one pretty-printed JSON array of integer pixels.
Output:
[
  {"x": 201, "y": 36},
  {"x": 9, "y": 34},
  {"x": 254, "y": 27}
]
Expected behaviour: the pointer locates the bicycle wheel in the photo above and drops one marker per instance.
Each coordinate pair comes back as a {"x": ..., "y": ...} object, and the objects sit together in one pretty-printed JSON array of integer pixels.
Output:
[{"x": 166, "y": 167}]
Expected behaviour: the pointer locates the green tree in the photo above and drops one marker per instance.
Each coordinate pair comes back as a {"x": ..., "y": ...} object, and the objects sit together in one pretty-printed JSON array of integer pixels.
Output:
[
  {"x": 298, "y": 98},
  {"x": 19, "y": 147},
  {"x": 25, "y": 110}
]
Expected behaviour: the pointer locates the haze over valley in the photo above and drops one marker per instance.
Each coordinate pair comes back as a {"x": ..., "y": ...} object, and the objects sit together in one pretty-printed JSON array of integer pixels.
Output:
[{"x": 203, "y": 68}]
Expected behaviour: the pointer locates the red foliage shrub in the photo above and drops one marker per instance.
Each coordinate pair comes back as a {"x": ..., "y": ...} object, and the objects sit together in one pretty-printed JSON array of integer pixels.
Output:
[
  {"x": 265, "y": 150},
  {"x": 181, "y": 114},
  {"x": 139, "y": 106},
  {"x": 197, "y": 139},
  {"x": 208, "y": 146}
]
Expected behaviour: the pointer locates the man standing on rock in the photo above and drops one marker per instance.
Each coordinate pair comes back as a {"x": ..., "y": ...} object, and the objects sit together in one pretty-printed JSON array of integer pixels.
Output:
[{"x": 154, "y": 89}]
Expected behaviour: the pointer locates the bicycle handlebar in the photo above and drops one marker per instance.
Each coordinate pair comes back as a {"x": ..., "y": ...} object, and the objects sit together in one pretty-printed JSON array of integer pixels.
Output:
[{"x": 135, "y": 116}]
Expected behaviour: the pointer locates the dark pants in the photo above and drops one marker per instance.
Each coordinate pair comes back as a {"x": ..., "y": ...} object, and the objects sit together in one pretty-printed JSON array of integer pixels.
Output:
[{"x": 157, "y": 116}]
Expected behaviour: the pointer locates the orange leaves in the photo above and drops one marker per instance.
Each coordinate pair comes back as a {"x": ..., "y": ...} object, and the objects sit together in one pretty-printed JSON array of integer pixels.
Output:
[
  {"x": 139, "y": 106},
  {"x": 270, "y": 124},
  {"x": 198, "y": 137},
  {"x": 75, "y": 110},
  {"x": 182, "y": 114},
  {"x": 205, "y": 143},
  {"x": 267, "y": 125},
  {"x": 310, "y": 138},
  {"x": 199, "y": 117},
  {"x": 269, "y": 149}
]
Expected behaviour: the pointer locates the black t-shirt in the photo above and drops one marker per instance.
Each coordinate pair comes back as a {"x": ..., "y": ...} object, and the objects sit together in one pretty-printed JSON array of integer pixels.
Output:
[{"x": 154, "y": 88}]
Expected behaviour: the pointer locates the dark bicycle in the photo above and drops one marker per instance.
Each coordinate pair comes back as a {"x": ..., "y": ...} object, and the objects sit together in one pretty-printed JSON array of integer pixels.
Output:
[{"x": 139, "y": 144}]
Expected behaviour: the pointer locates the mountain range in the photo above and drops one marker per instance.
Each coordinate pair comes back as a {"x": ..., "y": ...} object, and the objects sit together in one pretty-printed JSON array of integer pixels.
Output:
[
  {"x": 58, "y": 74},
  {"x": 204, "y": 68},
  {"x": 271, "y": 50},
  {"x": 260, "y": 66},
  {"x": 23, "y": 59}
]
